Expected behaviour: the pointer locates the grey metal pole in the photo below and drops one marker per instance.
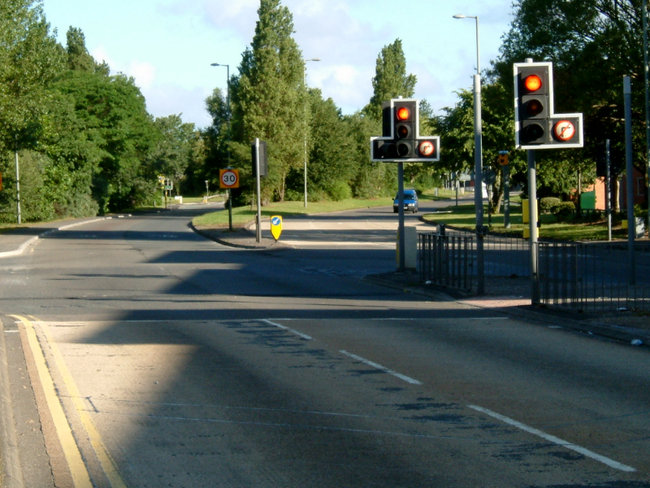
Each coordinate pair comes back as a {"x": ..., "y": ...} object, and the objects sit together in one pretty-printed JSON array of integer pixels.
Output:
[
  {"x": 532, "y": 223},
  {"x": 18, "y": 212},
  {"x": 478, "y": 185},
  {"x": 506, "y": 195},
  {"x": 631, "y": 227},
  {"x": 608, "y": 189},
  {"x": 401, "y": 244},
  {"x": 258, "y": 233},
  {"x": 646, "y": 70},
  {"x": 304, "y": 83}
]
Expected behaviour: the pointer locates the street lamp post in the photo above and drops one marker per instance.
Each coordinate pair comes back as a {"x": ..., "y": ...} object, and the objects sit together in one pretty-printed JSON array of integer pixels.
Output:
[
  {"x": 304, "y": 82},
  {"x": 478, "y": 161},
  {"x": 227, "y": 103},
  {"x": 227, "y": 137}
]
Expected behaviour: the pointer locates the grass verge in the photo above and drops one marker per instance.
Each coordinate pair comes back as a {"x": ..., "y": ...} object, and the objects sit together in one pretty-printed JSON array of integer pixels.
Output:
[
  {"x": 463, "y": 216},
  {"x": 243, "y": 215}
]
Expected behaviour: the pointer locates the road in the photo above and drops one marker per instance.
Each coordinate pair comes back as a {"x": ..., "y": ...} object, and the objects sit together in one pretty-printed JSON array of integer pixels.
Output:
[{"x": 160, "y": 358}]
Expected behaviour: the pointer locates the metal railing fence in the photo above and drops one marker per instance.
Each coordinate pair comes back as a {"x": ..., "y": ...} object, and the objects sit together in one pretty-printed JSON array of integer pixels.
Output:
[
  {"x": 593, "y": 277},
  {"x": 577, "y": 276}
]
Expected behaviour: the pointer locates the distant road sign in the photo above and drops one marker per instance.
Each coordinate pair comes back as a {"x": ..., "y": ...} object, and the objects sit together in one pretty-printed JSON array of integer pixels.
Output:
[{"x": 228, "y": 178}]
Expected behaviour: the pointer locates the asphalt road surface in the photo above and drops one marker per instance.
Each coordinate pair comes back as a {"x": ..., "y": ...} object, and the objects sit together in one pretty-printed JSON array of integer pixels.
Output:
[{"x": 157, "y": 358}]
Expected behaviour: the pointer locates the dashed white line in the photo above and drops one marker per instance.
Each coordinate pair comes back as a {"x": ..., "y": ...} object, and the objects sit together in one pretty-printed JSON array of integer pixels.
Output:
[
  {"x": 288, "y": 329},
  {"x": 372, "y": 364},
  {"x": 555, "y": 440}
]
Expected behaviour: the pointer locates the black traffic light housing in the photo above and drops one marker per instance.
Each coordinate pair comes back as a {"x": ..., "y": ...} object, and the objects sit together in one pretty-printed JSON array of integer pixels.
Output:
[
  {"x": 537, "y": 126},
  {"x": 401, "y": 140}
]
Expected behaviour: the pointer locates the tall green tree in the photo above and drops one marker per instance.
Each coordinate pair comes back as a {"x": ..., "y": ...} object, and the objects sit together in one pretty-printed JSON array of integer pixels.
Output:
[
  {"x": 593, "y": 44},
  {"x": 171, "y": 153},
  {"x": 30, "y": 58},
  {"x": 79, "y": 59},
  {"x": 390, "y": 80},
  {"x": 332, "y": 163},
  {"x": 270, "y": 97},
  {"x": 217, "y": 137},
  {"x": 113, "y": 133}
]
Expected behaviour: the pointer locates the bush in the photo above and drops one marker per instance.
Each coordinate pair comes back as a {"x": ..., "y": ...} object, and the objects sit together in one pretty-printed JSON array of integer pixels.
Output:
[
  {"x": 340, "y": 190},
  {"x": 563, "y": 211},
  {"x": 546, "y": 204}
]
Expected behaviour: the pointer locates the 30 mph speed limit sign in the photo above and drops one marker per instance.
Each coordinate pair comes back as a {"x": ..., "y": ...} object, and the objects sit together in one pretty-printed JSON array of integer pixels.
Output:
[{"x": 228, "y": 178}]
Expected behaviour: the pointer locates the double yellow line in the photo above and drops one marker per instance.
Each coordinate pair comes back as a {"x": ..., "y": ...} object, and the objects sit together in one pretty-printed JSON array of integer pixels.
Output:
[{"x": 73, "y": 457}]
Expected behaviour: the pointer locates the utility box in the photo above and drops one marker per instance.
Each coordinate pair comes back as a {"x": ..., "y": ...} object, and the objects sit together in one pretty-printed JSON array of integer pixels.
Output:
[
  {"x": 411, "y": 248},
  {"x": 588, "y": 200}
]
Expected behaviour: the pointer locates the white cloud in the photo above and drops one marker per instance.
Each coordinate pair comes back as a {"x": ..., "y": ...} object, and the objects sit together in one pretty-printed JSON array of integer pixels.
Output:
[
  {"x": 143, "y": 72},
  {"x": 101, "y": 55}
]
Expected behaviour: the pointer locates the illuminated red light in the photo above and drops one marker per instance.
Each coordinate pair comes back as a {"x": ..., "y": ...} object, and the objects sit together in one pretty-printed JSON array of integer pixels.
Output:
[
  {"x": 403, "y": 113},
  {"x": 532, "y": 83}
]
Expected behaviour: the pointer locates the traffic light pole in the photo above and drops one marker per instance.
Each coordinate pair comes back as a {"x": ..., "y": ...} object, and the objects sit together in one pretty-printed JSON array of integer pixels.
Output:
[
  {"x": 629, "y": 169},
  {"x": 532, "y": 222},
  {"x": 258, "y": 217},
  {"x": 400, "y": 227}
]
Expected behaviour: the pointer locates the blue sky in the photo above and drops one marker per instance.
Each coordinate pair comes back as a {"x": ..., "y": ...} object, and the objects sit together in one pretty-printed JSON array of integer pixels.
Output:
[{"x": 168, "y": 45}]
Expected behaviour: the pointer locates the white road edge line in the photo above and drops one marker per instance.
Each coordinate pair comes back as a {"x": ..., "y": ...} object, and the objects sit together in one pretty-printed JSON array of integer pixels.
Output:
[
  {"x": 372, "y": 364},
  {"x": 555, "y": 440},
  {"x": 288, "y": 329}
]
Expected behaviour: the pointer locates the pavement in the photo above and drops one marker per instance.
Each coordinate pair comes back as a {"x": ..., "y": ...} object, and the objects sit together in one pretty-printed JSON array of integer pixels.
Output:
[{"x": 622, "y": 326}]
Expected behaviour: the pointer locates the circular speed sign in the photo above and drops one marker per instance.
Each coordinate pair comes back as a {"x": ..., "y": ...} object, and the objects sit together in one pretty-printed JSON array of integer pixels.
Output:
[{"x": 229, "y": 178}]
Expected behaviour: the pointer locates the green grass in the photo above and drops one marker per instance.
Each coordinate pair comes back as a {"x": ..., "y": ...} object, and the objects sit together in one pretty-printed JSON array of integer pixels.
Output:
[
  {"x": 243, "y": 215},
  {"x": 463, "y": 216}
]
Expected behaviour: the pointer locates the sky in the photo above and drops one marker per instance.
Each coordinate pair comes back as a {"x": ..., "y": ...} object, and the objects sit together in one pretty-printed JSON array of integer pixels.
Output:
[{"x": 168, "y": 46}]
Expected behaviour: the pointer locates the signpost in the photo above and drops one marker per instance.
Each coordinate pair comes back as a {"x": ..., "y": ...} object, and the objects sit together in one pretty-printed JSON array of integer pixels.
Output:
[
  {"x": 229, "y": 179},
  {"x": 260, "y": 168}
]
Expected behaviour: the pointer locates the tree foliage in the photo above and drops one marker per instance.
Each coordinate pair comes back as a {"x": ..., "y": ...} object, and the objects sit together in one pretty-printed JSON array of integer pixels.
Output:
[
  {"x": 87, "y": 144},
  {"x": 270, "y": 95},
  {"x": 592, "y": 44},
  {"x": 83, "y": 137}
]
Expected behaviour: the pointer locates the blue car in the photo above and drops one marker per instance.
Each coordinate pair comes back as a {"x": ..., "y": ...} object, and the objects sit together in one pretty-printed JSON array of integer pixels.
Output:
[{"x": 410, "y": 201}]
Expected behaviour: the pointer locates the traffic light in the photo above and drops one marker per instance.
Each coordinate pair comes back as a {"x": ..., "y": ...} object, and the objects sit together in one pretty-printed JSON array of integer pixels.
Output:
[
  {"x": 401, "y": 140},
  {"x": 258, "y": 149},
  {"x": 537, "y": 126},
  {"x": 405, "y": 113},
  {"x": 533, "y": 99}
]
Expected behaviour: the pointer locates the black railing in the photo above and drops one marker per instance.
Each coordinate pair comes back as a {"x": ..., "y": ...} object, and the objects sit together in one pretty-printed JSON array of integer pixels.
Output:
[
  {"x": 579, "y": 276},
  {"x": 593, "y": 276}
]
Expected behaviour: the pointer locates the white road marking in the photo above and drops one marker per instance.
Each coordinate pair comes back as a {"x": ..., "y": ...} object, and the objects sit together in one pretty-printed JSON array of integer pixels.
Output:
[
  {"x": 555, "y": 440},
  {"x": 381, "y": 368},
  {"x": 288, "y": 329}
]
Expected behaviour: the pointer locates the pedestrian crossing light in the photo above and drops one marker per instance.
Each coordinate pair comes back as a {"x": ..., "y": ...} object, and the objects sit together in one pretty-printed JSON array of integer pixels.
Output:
[
  {"x": 537, "y": 126},
  {"x": 401, "y": 140}
]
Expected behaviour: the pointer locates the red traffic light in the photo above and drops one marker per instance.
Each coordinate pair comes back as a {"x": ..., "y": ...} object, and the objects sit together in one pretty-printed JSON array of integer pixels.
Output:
[
  {"x": 402, "y": 113},
  {"x": 532, "y": 83}
]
